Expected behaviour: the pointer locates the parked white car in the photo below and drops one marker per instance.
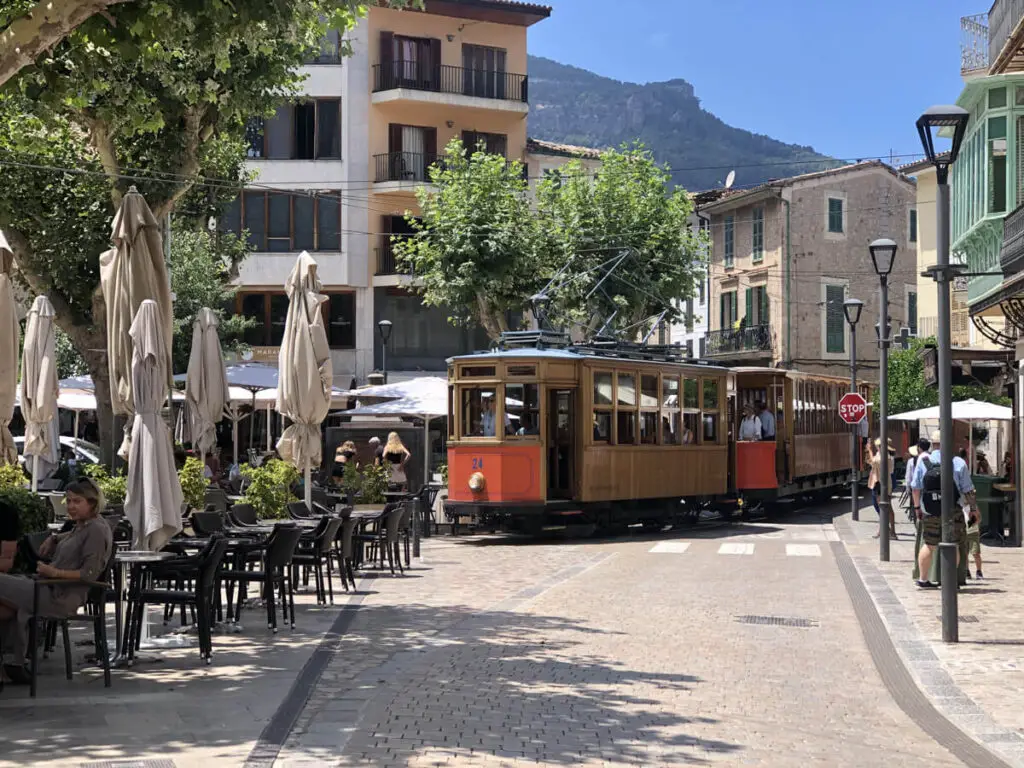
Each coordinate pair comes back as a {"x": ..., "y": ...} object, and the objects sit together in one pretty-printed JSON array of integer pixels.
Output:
[{"x": 88, "y": 452}]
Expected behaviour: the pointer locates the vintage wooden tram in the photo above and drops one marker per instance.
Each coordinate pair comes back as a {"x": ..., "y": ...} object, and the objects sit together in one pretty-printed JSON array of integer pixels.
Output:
[{"x": 545, "y": 433}]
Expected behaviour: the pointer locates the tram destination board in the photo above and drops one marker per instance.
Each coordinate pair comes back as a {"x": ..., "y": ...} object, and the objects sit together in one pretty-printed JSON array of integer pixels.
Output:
[{"x": 852, "y": 408}]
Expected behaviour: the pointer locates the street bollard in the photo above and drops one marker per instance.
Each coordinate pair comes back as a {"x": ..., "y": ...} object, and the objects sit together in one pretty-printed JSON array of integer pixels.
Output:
[{"x": 416, "y": 522}]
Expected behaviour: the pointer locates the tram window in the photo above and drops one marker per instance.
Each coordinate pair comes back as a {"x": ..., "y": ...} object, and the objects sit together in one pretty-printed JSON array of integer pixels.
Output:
[
  {"x": 627, "y": 389},
  {"x": 478, "y": 371},
  {"x": 602, "y": 426},
  {"x": 670, "y": 392},
  {"x": 625, "y": 426},
  {"x": 522, "y": 370},
  {"x": 691, "y": 428},
  {"x": 602, "y": 388},
  {"x": 478, "y": 412},
  {"x": 648, "y": 391},
  {"x": 451, "y": 412},
  {"x": 670, "y": 431},
  {"x": 710, "y": 394},
  {"x": 648, "y": 427},
  {"x": 690, "y": 397},
  {"x": 522, "y": 404},
  {"x": 710, "y": 428}
]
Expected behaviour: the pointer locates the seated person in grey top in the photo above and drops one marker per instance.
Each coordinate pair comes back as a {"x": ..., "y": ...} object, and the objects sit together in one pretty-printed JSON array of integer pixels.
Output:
[{"x": 81, "y": 554}]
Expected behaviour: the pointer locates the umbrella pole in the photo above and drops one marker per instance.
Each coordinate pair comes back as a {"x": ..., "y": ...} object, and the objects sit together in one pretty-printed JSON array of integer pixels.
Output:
[
  {"x": 77, "y": 414},
  {"x": 307, "y": 486},
  {"x": 252, "y": 420},
  {"x": 426, "y": 450},
  {"x": 269, "y": 425},
  {"x": 234, "y": 433},
  {"x": 35, "y": 473}
]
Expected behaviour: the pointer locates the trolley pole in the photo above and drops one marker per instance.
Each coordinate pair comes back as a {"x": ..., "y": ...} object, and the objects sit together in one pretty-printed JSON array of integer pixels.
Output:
[{"x": 854, "y": 429}]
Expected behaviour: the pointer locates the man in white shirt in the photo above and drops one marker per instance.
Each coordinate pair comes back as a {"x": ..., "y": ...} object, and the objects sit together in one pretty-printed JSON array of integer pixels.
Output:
[
  {"x": 767, "y": 421},
  {"x": 750, "y": 427}
]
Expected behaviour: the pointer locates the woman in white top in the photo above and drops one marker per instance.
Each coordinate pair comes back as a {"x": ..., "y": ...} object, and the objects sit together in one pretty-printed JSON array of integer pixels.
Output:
[{"x": 750, "y": 427}]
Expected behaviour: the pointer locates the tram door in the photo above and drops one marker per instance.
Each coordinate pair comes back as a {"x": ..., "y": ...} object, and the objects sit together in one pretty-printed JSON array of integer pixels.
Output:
[{"x": 560, "y": 442}]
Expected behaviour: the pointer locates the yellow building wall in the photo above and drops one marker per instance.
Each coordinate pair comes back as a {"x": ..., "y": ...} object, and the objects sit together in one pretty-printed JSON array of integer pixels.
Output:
[{"x": 927, "y": 252}]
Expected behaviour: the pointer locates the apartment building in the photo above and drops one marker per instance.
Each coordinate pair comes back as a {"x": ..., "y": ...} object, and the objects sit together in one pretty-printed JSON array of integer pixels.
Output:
[
  {"x": 785, "y": 256},
  {"x": 336, "y": 173}
]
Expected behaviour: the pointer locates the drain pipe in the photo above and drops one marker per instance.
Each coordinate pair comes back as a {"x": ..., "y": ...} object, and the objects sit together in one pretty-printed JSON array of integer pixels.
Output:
[{"x": 789, "y": 302}]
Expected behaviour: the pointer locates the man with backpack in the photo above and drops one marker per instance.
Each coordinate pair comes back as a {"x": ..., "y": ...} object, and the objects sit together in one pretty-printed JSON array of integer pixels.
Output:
[{"x": 926, "y": 487}]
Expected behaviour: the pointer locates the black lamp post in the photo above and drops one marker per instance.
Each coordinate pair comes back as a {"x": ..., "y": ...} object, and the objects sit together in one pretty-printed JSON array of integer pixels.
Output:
[
  {"x": 952, "y": 121},
  {"x": 384, "y": 328},
  {"x": 883, "y": 254},
  {"x": 852, "y": 309}
]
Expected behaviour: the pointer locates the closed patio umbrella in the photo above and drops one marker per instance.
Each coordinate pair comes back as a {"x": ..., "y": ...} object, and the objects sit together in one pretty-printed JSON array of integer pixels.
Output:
[
  {"x": 153, "y": 500},
  {"x": 10, "y": 337},
  {"x": 131, "y": 272},
  {"x": 306, "y": 375},
  {"x": 39, "y": 384},
  {"x": 206, "y": 386}
]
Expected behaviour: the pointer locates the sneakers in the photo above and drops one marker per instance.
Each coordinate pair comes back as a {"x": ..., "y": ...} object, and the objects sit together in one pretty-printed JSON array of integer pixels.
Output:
[
  {"x": 979, "y": 575},
  {"x": 925, "y": 584}
]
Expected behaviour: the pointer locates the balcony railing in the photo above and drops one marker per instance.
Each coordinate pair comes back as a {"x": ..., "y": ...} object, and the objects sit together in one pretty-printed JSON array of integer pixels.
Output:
[
  {"x": 974, "y": 43},
  {"x": 442, "y": 78},
  {"x": 754, "y": 338},
  {"x": 387, "y": 260},
  {"x": 1011, "y": 254},
  {"x": 404, "y": 166},
  {"x": 330, "y": 51}
]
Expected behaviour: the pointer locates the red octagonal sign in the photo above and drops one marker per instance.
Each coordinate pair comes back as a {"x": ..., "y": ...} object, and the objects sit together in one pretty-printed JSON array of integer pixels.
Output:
[{"x": 852, "y": 408}]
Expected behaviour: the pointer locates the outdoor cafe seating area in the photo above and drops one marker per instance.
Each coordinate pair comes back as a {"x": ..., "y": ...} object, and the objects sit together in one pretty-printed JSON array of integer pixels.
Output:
[{"x": 225, "y": 568}]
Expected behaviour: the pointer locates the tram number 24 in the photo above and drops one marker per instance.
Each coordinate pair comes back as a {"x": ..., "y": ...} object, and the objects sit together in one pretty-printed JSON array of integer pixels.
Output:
[{"x": 478, "y": 463}]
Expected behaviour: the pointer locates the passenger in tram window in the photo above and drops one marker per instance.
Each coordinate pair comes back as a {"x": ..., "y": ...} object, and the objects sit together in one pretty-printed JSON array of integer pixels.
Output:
[
  {"x": 750, "y": 427},
  {"x": 690, "y": 424},
  {"x": 487, "y": 417},
  {"x": 767, "y": 420},
  {"x": 526, "y": 426}
]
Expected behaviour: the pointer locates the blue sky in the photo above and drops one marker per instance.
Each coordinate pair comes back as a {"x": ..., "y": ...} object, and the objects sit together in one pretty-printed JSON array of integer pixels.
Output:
[{"x": 848, "y": 77}]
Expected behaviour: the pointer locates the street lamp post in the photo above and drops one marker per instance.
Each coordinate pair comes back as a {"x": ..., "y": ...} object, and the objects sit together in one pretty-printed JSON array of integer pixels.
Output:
[
  {"x": 852, "y": 309},
  {"x": 952, "y": 120},
  {"x": 384, "y": 327},
  {"x": 883, "y": 254}
]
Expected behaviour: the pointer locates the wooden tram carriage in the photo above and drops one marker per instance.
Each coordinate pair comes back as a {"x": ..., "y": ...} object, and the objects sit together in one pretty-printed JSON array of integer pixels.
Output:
[{"x": 551, "y": 435}]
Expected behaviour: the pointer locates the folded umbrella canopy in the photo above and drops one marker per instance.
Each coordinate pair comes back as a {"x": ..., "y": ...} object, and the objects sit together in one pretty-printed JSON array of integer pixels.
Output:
[
  {"x": 9, "y": 339},
  {"x": 306, "y": 376},
  {"x": 206, "y": 386},
  {"x": 130, "y": 273},
  {"x": 153, "y": 499},
  {"x": 39, "y": 383}
]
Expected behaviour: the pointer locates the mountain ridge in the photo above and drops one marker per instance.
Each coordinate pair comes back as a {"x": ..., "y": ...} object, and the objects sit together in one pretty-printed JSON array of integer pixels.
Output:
[{"x": 571, "y": 105}]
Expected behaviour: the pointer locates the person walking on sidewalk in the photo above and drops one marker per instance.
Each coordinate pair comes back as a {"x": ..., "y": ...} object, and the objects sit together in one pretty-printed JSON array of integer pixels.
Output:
[
  {"x": 875, "y": 483},
  {"x": 927, "y": 490}
]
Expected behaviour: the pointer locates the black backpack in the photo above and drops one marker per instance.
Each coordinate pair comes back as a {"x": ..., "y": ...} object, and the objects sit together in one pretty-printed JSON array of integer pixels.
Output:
[{"x": 931, "y": 486}]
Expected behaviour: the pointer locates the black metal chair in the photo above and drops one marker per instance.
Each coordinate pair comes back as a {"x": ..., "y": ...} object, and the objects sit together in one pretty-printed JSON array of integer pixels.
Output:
[
  {"x": 297, "y": 510},
  {"x": 345, "y": 551},
  {"x": 207, "y": 523},
  {"x": 243, "y": 515},
  {"x": 200, "y": 573},
  {"x": 428, "y": 495},
  {"x": 383, "y": 541},
  {"x": 313, "y": 551},
  {"x": 216, "y": 498},
  {"x": 277, "y": 560}
]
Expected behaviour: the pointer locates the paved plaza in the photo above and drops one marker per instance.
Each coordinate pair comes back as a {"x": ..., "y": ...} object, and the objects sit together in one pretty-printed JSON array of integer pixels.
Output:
[{"x": 718, "y": 645}]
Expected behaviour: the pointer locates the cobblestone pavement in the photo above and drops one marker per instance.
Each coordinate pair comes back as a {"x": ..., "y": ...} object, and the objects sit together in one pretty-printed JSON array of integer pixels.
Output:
[
  {"x": 637, "y": 651},
  {"x": 987, "y": 665}
]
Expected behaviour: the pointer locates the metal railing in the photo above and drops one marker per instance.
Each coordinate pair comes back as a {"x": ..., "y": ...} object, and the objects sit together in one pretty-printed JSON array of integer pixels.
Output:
[
  {"x": 1011, "y": 253},
  {"x": 1002, "y": 21},
  {"x": 254, "y": 137},
  {"x": 443, "y": 78},
  {"x": 974, "y": 43},
  {"x": 404, "y": 166},
  {"x": 754, "y": 338},
  {"x": 330, "y": 51},
  {"x": 387, "y": 260}
]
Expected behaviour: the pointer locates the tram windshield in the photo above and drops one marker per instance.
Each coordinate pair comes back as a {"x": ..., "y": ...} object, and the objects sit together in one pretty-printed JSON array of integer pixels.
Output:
[{"x": 479, "y": 417}]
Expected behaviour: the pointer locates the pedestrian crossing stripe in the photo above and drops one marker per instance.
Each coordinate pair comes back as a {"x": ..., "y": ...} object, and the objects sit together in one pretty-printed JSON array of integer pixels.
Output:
[
  {"x": 803, "y": 550},
  {"x": 736, "y": 548},
  {"x": 673, "y": 547}
]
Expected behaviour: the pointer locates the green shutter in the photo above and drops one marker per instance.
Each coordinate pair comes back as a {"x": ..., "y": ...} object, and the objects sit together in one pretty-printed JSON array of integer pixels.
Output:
[
  {"x": 750, "y": 306},
  {"x": 764, "y": 306},
  {"x": 721, "y": 313},
  {"x": 835, "y": 331}
]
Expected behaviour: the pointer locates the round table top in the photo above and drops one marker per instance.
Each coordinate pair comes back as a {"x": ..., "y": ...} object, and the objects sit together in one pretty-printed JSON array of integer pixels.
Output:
[{"x": 143, "y": 556}]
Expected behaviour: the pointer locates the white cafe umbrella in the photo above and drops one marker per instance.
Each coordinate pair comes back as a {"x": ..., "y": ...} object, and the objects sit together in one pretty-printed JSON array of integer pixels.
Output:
[
  {"x": 153, "y": 499},
  {"x": 131, "y": 272},
  {"x": 969, "y": 410},
  {"x": 206, "y": 386},
  {"x": 39, "y": 383},
  {"x": 306, "y": 373},
  {"x": 10, "y": 338}
]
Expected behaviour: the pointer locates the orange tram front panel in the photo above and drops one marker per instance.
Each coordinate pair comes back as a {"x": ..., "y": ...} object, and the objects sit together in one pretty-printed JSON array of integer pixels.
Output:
[
  {"x": 755, "y": 466},
  {"x": 510, "y": 474}
]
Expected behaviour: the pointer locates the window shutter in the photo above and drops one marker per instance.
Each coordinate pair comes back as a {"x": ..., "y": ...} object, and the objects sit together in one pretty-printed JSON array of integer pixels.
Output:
[
  {"x": 1020, "y": 161},
  {"x": 469, "y": 141},
  {"x": 434, "y": 60},
  {"x": 750, "y": 306},
  {"x": 430, "y": 144},
  {"x": 394, "y": 137},
  {"x": 764, "y": 307},
  {"x": 721, "y": 312},
  {"x": 835, "y": 341},
  {"x": 386, "y": 74}
]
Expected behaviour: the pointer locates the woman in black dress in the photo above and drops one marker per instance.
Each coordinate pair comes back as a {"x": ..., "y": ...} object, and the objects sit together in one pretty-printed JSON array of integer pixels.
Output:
[{"x": 396, "y": 456}]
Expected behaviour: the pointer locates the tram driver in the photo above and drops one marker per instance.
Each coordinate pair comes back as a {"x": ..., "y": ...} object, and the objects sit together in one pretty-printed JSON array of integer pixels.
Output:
[{"x": 750, "y": 427}]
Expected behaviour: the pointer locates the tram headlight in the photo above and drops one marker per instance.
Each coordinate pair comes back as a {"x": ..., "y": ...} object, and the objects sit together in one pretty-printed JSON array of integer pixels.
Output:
[{"x": 477, "y": 482}]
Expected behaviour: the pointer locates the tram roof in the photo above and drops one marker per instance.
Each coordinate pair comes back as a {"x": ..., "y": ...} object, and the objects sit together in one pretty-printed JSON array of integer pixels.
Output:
[{"x": 583, "y": 353}]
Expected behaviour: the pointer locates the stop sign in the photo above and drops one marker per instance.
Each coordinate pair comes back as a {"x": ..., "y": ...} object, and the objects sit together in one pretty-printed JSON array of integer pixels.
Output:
[{"x": 852, "y": 408}]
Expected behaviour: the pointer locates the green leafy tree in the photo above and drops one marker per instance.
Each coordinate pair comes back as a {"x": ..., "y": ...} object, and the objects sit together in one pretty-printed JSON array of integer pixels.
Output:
[
  {"x": 155, "y": 94},
  {"x": 193, "y": 482},
  {"x": 623, "y": 239},
  {"x": 270, "y": 488},
  {"x": 475, "y": 249}
]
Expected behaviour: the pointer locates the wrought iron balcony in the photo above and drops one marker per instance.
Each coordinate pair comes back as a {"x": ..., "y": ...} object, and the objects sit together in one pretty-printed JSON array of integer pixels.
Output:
[
  {"x": 404, "y": 166},
  {"x": 387, "y": 259},
  {"x": 443, "y": 78},
  {"x": 975, "y": 43},
  {"x": 1011, "y": 254},
  {"x": 740, "y": 341}
]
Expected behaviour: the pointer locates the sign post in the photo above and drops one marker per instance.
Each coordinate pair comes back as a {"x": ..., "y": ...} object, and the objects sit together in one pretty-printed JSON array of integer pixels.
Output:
[{"x": 852, "y": 408}]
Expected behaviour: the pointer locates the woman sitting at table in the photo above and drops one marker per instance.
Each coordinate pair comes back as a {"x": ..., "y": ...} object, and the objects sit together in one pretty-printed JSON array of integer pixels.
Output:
[{"x": 81, "y": 554}]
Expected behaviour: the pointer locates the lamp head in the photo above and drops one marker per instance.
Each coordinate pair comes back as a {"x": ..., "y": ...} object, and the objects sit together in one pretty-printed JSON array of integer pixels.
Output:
[
  {"x": 883, "y": 254},
  {"x": 948, "y": 121},
  {"x": 384, "y": 327},
  {"x": 852, "y": 309}
]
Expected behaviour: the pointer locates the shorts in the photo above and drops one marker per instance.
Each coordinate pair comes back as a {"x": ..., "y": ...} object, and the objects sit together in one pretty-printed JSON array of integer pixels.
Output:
[
  {"x": 931, "y": 529},
  {"x": 974, "y": 541}
]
